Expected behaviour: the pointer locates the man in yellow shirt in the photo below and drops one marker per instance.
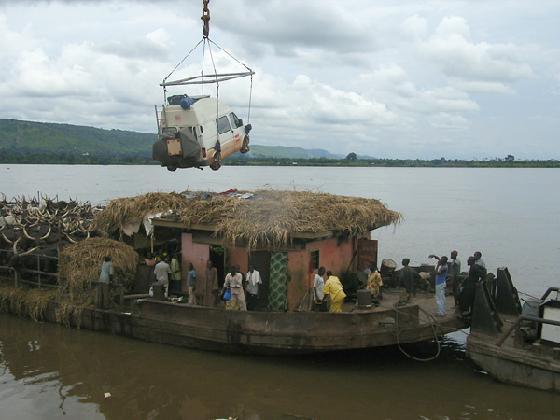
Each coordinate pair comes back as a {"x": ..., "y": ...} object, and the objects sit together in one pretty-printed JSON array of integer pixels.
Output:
[{"x": 333, "y": 289}]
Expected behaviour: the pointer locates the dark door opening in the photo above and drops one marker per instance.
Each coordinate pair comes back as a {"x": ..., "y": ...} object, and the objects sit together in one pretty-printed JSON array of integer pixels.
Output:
[
  {"x": 217, "y": 256},
  {"x": 261, "y": 261}
]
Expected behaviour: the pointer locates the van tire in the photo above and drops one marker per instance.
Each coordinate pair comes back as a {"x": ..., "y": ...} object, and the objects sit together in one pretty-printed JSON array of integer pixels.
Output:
[
  {"x": 245, "y": 147},
  {"x": 171, "y": 168},
  {"x": 216, "y": 162}
]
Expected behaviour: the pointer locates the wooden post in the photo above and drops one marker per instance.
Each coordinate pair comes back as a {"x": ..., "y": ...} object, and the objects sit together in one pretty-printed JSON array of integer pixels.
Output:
[{"x": 16, "y": 278}]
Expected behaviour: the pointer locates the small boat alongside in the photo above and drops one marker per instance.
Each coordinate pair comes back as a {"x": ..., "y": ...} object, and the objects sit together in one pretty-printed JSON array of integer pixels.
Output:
[{"x": 516, "y": 345}]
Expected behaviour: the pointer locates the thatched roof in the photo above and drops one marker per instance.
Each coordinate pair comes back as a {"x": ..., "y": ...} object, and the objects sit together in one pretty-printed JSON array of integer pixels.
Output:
[{"x": 267, "y": 218}]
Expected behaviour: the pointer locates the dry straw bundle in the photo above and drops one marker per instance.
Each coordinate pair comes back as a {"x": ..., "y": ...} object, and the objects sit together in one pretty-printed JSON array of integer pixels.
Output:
[
  {"x": 125, "y": 210},
  {"x": 265, "y": 220},
  {"x": 80, "y": 265},
  {"x": 25, "y": 302}
]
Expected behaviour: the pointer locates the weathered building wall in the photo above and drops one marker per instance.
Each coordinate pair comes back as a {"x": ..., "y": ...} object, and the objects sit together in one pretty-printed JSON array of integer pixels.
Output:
[
  {"x": 300, "y": 275},
  {"x": 197, "y": 254},
  {"x": 238, "y": 256},
  {"x": 333, "y": 257}
]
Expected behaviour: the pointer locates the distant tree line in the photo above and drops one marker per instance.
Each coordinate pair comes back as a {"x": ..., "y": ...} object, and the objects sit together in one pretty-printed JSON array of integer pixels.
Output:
[{"x": 37, "y": 156}]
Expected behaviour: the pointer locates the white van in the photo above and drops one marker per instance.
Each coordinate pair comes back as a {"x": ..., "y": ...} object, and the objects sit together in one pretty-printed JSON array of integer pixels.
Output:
[{"x": 196, "y": 131}]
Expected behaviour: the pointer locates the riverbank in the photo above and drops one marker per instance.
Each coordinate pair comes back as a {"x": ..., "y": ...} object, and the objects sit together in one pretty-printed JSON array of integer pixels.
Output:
[{"x": 58, "y": 159}]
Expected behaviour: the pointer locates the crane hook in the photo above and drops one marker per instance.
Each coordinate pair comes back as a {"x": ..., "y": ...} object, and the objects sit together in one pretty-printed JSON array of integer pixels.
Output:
[{"x": 205, "y": 19}]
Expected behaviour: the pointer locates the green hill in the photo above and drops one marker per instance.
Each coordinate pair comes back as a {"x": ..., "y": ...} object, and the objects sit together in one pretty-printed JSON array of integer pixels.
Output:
[
  {"x": 38, "y": 142},
  {"x": 38, "y": 137}
]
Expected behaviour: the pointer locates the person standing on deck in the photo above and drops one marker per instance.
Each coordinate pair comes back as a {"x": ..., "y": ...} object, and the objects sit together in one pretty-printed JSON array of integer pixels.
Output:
[
  {"x": 335, "y": 291},
  {"x": 105, "y": 277},
  {"x": 162, "y": 271},
  {"x": 175, "y": 274},
  {"x": 191, "y": 284},
  {"x": 453, "y": 271},
  {"x": 477, "y": 273},
  {"x": 408, "y": 277},
  {"x": 375, "y": 282},
  {"x": 478, "y": 259},
  {"x": 252, "y": 280},
  {"x": 441, "y": 276},
  {"x": 210, "y": 288},
  {"x": 318, "y": 290},
  {"x": 234, "y": 280}
]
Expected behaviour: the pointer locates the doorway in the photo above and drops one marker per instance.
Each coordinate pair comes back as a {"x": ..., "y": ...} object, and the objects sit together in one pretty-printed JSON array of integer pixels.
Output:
[
  {"x": 261, "y": 261},
  {"x": 217, "y": 256}
]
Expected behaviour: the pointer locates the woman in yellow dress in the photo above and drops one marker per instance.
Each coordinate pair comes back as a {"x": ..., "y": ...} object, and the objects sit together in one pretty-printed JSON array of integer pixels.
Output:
[{"x": 333, "y": 289}]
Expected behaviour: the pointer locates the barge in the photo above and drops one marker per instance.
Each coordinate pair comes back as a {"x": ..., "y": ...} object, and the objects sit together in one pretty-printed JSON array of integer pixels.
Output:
[{"x": 285, "y": 235}]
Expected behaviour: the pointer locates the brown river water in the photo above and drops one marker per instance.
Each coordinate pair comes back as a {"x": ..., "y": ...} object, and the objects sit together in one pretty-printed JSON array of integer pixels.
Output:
[{"x": 513, "y": 216}]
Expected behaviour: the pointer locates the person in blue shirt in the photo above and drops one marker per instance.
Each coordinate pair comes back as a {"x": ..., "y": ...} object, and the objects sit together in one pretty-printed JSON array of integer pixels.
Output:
[
  {"x": 191, "y": 284},
  {"x": 441, "y": 277},
  {"x": 103, "y": 298}
]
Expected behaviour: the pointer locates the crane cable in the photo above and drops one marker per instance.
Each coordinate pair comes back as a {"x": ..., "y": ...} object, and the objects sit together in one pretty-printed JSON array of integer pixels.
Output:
[
  {"x": 218, "y": 148},
  {"x": 206, "y": 40}
]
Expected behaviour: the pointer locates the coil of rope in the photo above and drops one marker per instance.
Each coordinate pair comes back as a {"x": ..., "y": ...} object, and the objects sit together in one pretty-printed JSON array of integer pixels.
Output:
[{"x": 434, "y": 326}]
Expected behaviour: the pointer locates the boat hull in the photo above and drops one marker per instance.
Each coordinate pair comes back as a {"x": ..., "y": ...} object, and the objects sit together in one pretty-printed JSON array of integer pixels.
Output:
[
  {"x": 263, "y": 332},
  {"x": 514, "y": 366}
]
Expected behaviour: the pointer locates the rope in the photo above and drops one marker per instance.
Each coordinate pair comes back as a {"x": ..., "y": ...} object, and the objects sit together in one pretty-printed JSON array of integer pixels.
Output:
[
  {"x": 228, "y": 53},
  {"x": 202, "y": 66},
  {"x": 183, "y": 60},
  {"x": 433, "y": 324},
  {"x": 217, "y": 90},
  {"x": 248, "y": 69},
  {"x": 250, "y": 96},
  {"x": 528, "y": 295}
]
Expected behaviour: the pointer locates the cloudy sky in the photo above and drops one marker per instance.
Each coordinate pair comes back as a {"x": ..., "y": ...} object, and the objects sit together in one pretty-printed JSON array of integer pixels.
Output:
[{"x": 407, "y": 79}]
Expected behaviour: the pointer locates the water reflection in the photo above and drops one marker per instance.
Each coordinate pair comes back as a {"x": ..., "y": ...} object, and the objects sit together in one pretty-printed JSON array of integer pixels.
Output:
[{"x": 48, "y": 371}]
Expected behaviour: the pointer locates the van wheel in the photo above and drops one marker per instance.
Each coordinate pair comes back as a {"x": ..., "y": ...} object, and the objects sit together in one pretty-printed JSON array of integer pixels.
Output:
[
  {"x": 171, "y": 168},
  {"x": 216, "y": 162},
  {"x": 245, "y": 146}
]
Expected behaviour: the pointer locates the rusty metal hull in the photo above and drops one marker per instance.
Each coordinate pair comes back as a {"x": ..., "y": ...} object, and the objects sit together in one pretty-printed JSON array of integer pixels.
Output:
[
  {"x": 513, "y": 365},
  {"x": 264, "y": 332}
]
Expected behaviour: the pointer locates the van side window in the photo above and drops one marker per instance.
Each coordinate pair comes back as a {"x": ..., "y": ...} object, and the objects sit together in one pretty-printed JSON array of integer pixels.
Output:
[
  {"x": 235, "y": 121},
  {"x": 223, "y": 125}
]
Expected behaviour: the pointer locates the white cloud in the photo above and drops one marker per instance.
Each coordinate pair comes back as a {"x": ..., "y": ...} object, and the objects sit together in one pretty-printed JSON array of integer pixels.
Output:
[
  {"x": 392, "y": 77},
  {"x": 415, "y": 27},
  {"x": 459, "y": 57}
]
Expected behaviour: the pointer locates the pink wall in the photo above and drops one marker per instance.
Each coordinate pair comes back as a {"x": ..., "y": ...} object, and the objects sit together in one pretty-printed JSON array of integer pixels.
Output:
[
  {"x": 238, "y": 256},
  {"x": 333, "y": 257},
  {"x": 197, "y": 254}
]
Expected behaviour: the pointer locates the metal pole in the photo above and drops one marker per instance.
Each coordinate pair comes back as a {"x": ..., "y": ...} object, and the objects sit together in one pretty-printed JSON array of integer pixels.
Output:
[
  {"x": 39, "y": 270},
  {"x": 525, "y": 318},
  {"x": 157, "y": 119}
]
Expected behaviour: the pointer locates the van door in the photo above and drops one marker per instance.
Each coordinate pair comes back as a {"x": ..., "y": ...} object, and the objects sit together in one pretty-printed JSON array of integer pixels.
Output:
[
  {"x": 238, "y": 130},
  {"x": 225, "y": 135}
]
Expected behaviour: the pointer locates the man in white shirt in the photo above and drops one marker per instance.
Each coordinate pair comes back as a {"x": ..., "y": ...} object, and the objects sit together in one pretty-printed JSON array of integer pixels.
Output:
[
  {"x": 318, "y": 293},
  {"x": 253, "y": 279},
  {"x": 162, "y": 270},
  {"x": 478, "y": 259}
]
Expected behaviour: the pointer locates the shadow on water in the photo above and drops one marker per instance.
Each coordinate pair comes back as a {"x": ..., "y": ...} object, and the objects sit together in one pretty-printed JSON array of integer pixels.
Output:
[{"x": 49, "y": 371}]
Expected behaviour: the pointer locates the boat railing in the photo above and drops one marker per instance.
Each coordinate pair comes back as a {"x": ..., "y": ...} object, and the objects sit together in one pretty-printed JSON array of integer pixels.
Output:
[
  {"x": 34, "y": 276},
  {"x": 549, "y": 291},
  {"x": 521, "y": 318}
]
